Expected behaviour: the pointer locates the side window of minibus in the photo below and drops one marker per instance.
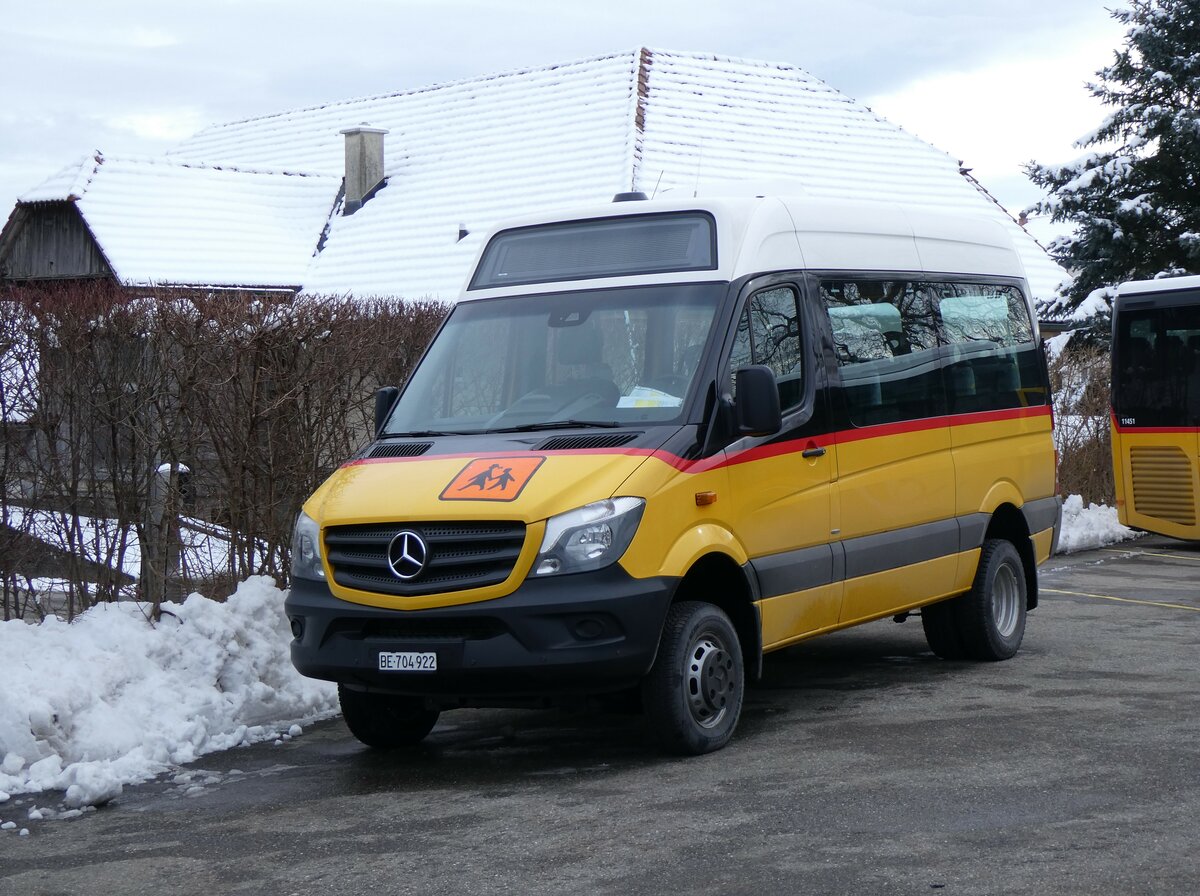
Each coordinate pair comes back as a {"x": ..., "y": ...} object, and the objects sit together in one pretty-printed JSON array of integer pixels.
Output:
[
  {"x": 992, "y": 362},
  {"x": 885, "y": 338},
  {"x": 768, "y": 333}
]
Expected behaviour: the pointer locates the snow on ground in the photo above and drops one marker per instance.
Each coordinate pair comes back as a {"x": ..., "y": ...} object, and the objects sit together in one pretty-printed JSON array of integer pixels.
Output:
[
  {"x": 111, "y": 700},
  {"x": 1086, "y": 528}
]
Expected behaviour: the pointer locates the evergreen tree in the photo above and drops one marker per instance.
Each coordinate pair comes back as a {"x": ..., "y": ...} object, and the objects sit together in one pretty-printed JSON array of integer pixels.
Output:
[{"x": 1135, "y": 200}]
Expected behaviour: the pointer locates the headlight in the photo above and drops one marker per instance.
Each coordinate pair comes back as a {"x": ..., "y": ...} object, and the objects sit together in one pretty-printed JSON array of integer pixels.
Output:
[
  {"x": 306, "y": 549},
  {"x": 589, "y": 537}
]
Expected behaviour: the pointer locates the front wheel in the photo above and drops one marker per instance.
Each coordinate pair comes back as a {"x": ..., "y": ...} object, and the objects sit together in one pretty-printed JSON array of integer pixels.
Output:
[
  {"x": 693, "y": 693},
  {"x": 385, "y": 720}
]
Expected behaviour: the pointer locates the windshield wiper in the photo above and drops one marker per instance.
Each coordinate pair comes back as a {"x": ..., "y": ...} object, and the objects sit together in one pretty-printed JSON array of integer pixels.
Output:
[
  {"x": 427, "y": 433},
  {"x": 558, "y": 424},
  {"x": 525, "y": 427}
]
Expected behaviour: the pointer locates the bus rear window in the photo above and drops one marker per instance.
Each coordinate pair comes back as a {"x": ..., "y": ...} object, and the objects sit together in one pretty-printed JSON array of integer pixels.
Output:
[
  {"x": 1156, "y": 365},
  {"x": 605, "y": 247}
]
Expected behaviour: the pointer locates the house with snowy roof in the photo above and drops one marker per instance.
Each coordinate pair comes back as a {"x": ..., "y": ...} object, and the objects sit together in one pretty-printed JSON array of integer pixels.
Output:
[{"x": 390, "y": 194}]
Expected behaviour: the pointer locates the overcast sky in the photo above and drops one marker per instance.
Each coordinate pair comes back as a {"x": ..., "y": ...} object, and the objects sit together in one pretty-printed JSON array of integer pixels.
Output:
[{"x": 993, "y": 82}]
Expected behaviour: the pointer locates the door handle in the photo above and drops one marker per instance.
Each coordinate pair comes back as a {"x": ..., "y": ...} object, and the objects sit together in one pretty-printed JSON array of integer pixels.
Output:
[{"x": 813, "y": 451}]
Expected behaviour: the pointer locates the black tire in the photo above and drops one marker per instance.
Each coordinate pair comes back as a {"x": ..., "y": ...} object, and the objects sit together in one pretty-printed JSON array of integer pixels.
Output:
[
  {"x": 693, "y": 693},
  {"x": 988, "y": 622},
  {"x": 992, "y": 613},
  {"x": 385, "y": 721}
]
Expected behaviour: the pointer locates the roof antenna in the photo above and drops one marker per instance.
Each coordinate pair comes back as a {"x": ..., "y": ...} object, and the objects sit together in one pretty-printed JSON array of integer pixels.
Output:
[{"x": 655, "y": 191}]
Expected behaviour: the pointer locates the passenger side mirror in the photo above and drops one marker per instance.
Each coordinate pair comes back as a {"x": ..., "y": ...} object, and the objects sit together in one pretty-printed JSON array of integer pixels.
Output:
[
  {"x": 384, "y": 399},
  {"x": 757, "y": 402}
]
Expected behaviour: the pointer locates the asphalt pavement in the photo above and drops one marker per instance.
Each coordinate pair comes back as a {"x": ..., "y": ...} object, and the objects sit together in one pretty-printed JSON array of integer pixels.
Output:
[{"x": 863, "y": 764}]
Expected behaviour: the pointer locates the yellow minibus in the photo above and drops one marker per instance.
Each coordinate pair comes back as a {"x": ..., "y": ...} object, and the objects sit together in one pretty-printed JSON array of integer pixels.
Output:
[{"x": 657, "y": 439}]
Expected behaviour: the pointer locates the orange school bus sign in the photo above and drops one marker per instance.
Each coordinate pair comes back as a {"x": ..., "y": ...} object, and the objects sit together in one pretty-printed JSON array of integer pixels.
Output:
[{"x": 492, "y": 479}]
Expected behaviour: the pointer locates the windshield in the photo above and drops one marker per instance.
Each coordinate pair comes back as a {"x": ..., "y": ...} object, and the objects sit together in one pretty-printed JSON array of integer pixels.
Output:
[{"x": 603, "y": 357}]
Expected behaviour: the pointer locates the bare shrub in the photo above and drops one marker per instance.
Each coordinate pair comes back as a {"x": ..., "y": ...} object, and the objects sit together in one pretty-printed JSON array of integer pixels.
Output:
[
  {"x": 174, "y": 418},
  {"x": 1079, "y": 377},
  {"x": 85, "y": 438},
  {"x": 283, "y": 394},
  {"x": 18, "y": 398}
]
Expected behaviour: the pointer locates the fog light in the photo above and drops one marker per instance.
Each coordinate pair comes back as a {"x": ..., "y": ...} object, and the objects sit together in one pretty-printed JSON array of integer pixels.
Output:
[
  {"x": 297, "y": 627},
  {"x": 589, "y": 628}
]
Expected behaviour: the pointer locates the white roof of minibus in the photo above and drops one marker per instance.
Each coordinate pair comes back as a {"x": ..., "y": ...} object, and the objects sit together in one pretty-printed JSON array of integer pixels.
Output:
[
  {"x": 767, "y": 233},
  {"x": 1163, "y": 284}
]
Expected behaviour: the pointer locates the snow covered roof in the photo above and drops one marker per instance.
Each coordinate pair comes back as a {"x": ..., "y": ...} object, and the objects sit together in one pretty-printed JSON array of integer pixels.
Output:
[
  {"x": 475, "y": 152},
  {"x": 468, "y": 153},
  {"x": 252, "y": 203},
  {"x": 714, "y": 119},
  {"x": 160, "y": 221}
]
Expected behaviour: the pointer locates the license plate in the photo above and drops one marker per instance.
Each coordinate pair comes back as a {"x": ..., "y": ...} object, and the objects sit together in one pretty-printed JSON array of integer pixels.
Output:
[{"x": 407, "y": 662}]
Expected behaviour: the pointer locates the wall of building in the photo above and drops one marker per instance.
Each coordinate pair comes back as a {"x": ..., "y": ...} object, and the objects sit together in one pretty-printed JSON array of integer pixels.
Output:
[{"x": 49, "y": 241}]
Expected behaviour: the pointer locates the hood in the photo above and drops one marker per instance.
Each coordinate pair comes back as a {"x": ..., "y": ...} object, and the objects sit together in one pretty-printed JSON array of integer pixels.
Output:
[{"x": 526, "y": 486}]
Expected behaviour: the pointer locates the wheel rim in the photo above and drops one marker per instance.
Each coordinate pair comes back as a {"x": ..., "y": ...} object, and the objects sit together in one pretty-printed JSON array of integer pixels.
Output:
[
  {"x": 1006, "y": 600},
  {"x": 710, "y": 680}
]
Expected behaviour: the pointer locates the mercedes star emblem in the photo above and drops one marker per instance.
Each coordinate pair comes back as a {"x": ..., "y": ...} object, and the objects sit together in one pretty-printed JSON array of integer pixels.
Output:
[{"x": 407, "y": 555}]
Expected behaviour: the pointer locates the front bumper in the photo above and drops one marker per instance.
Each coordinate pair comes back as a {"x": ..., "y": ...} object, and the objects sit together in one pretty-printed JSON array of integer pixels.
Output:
[{"x": 578, "y": 634}]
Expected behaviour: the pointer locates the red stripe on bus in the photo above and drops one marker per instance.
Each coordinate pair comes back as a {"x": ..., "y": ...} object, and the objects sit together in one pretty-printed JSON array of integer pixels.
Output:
[
  {"x": 759, "y": 452},
  {"x": 883, "y": 430}
]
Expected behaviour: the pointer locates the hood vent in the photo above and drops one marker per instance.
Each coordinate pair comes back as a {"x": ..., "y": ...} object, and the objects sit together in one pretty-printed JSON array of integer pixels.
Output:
[
  {"x": 581, "y": 443},
  {"x": 407, "y": 449}
]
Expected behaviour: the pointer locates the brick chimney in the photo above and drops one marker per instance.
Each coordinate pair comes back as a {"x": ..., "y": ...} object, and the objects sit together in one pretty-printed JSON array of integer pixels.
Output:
[{"x": 364, "y": 165}]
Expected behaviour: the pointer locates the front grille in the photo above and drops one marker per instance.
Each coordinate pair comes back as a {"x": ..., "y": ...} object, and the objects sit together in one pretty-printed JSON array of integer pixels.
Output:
[
  {"x": 460, "y": 556},
  {"x": 1162, "y": 484}
]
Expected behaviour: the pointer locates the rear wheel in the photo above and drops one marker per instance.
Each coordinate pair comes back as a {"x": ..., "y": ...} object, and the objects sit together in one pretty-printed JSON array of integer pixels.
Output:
[
  {"x": 993, "y": 611},
  {"x": 386, "y": 720},
  {"x": 988, "y": 622},
  {"x": 693, "y": 694}
]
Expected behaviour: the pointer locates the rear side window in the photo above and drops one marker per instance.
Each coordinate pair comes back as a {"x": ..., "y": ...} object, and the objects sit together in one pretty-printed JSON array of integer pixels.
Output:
[
  {"x": 886, "y": 341},
  {"x": 913, "y": 349},
  {"x": 992, "y": 361}
]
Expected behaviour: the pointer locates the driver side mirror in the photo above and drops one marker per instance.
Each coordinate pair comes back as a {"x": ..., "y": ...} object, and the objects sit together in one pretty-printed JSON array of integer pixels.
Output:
[
  {"x": 757, "y": 403},
  {"x": 384, "y": 399}
]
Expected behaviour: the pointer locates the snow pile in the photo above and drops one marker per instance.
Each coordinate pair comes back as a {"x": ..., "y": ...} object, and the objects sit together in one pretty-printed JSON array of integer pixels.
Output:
[
  {"x": 1087, "y": 528},
  {"x": 111, "y": 700}
]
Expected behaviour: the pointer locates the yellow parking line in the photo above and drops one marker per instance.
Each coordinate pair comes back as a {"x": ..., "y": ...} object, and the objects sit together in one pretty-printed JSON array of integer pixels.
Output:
[
  {"x": 1149, "y": 553},
  {"x": 1124, "y": 600}
]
